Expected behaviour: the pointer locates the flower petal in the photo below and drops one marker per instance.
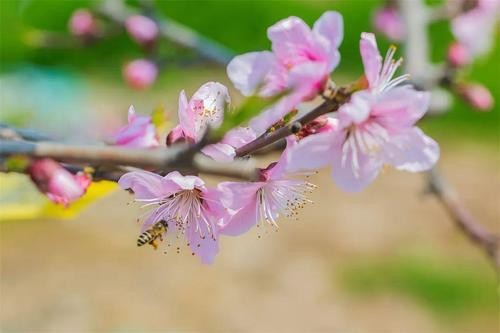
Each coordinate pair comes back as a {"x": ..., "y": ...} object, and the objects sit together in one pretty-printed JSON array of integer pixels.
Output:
[
  {"x": 372, "y": 60},
  {"x": 401, "y": 107},
  {"x": 311, "y": 153},
  {"x": 208, "y": 104},
  {"x": 206, "y": 247},
  {"x": 146, "y": 185},
  {"x": 243, "y": 220},
  {"x": 248, "y": 71},
  {"x": 186, "y": 116},
  {"x": 185, "y": 182},
  {"x": 235, "y": 195},
  {"x": 411, "y": 151},
  {"x": 330, "y": 29},
  {"x": 220, "y": 152},
  {"x": 352, "y": 170},
  {"x": 357, "y": 110},
  {"x": 292, "y": 41}
]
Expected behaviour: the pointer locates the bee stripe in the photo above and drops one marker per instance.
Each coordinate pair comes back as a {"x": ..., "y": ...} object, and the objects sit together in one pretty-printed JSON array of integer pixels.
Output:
[{"x": 144, "y": 238}]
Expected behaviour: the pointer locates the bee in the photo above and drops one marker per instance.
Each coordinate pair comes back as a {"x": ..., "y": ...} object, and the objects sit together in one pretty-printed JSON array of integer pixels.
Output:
[{"x": 151, "y": 235}]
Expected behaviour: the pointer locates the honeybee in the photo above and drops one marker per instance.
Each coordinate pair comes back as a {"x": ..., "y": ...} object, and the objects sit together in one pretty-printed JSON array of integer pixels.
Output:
[{"x": 151, "y": 235}]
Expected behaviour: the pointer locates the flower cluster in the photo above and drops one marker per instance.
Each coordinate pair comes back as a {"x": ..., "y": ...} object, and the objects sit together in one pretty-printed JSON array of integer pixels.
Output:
[{"x": 374, "y": 126}]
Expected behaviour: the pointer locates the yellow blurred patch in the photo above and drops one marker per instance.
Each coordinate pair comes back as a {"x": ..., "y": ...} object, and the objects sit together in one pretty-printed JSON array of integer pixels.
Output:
[{"x": 20, "y": 200}]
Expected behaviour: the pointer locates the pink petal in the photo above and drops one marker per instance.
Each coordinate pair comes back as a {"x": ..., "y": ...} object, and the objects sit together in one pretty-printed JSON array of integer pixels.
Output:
[
  {"x": 235, "y": 195},
  {"x": 356, "y": 170},
  {"x": 221, "y": 152},
  {"x": 186, "y": 116},
  {"x": 292, "y": 41},
  {"x": 401, "y": 107},
  {"x": 208, "y": 105},
  {"x": 330, "y": 28},
  {"x": 243, "y": 220},
  {"x": 206, "y": 248},
  {"x": 185, "y": 182},
  {"x": 372, "y": 60},
  {"x": 248, "y": 71},
  {"x": 412, "y": 151},
  {"x": 357, "y": 110},
  {"x": 239, "y": 136},
  {"x": 307, "y": 79},
  {"x": 131, "y": 114},
  {"x": 311, "y": 153},
  {"x": 146, "y": 185}
]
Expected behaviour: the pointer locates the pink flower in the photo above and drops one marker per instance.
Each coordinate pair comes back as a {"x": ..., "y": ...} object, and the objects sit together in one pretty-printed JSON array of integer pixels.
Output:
[
  {"x": 458, "y": 55},
  {"x": 301, "y": 61},
  {"x": 140, "y": 74},
  {"x": 142, "y": 29},
  {"x": 477, "y": 95},
  {"x": 263, "y": 202},
  {"x": 388, "y": 21},
  {"x": 139, "y": 133},
  {"x": 475, "y": 29},
  {"x": 375, "y": 128},
  {"x": 58, "y": 184},
  {"x": 82, "y": 23},
  {"x": 205, "y": 109},
  {"x": 189, "y": 208}
]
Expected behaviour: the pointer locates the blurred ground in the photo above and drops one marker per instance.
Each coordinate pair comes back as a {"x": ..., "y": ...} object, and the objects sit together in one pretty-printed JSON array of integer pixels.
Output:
[{"x": 386, "y": 260}]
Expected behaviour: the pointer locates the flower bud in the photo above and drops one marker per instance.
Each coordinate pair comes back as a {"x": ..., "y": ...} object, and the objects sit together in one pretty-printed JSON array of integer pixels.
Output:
[
  {"x": 82, "y": 23},
  {"x": 140, "y": 74},
  {"x": 458, "y": 55},
  {"x": 388, "y": 21},
  {"x": 142, "y": 29},
  {"x": 57, "y": 183},
  {"x": 477, "y": 95}
]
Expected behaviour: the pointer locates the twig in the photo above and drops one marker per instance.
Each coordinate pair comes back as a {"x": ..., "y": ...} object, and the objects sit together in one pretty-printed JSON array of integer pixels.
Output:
[
  {"x": 174, "y": 31},
  {"x": 478, "y": 234},
  {"x": 179, "y": 157},
  {"x": 418, "y": 65}
]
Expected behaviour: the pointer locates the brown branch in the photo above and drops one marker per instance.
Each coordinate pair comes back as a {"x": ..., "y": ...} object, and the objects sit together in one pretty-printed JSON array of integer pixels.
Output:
[
  {"x": 332, "y": 103},
  {"x": 477, "y": 233},
  {"x": 179, "y": 157},
  {"x": 419, "y": 66}
]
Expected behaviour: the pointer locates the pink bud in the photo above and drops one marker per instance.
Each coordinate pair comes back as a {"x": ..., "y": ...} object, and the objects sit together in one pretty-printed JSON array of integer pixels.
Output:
[
  {"x": 388, "y": 21},
  {"x": 142, "y": 29},
  {"x": 57, "y": 183},
  {"x": 82, "y": 23},
  {"x": 477, "y": 95},
  {"x": 140, "y": 74},
  {"x": 458, "y": 55}
]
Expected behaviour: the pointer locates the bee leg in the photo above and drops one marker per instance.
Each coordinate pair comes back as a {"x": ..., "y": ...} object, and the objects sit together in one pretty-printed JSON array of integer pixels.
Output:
[
  {"x": 153, "y": 244},
  {"x": 160, "y": 237}
]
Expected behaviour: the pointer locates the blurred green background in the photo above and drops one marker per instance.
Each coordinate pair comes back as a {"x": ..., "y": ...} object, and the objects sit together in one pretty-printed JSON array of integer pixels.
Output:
[{"x": 386, "y": 260}]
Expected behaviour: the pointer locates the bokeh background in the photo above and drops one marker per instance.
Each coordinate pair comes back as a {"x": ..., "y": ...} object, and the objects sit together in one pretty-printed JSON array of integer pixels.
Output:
[{"x": 386, "y": 260}]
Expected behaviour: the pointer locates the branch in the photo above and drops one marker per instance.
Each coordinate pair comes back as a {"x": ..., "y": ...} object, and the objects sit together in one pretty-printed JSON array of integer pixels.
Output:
[
  {"x": 419, "y": 66},
  {"x": 331, "y": 104},
  {"x": 179, "y": 157},
  {"x": 478, "y": 234},
  {"x": 174, "y": 31}
]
